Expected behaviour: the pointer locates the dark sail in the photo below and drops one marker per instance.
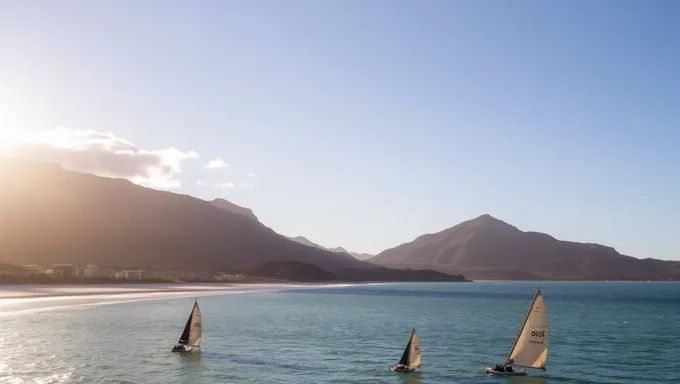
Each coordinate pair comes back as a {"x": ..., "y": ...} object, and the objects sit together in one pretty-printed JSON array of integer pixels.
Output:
[
  {"x": 184, "y": 339},
  {"x": 407, "y": 351}
]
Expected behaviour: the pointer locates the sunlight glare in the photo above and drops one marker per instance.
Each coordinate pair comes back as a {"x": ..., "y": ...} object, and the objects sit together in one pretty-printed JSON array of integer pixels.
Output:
[{"x": 8, "y": 135}]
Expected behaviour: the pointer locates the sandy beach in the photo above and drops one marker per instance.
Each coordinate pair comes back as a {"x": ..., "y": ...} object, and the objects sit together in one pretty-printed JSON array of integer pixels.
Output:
[
  {"x": 16, "y": 299},
  {"x": 40, "y": 291}
]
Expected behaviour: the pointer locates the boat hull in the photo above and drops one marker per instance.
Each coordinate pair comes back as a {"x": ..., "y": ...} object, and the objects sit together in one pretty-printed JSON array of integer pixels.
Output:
[
  {"x": 521, "y": 372},
  {"x": 182, "y": 348},
  {"x": 397, "y": 368}
]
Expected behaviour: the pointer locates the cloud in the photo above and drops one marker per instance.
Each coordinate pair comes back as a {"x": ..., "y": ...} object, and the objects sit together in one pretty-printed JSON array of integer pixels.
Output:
[
  {"x": 103, "y": 154},
  {"x": 226, "y": 185},
  {"x": 251, "y": 175},
  {"x": 201, "y": 183},
  {"x": 216, "y": 164},
  {"x": 243, "y": 184}
]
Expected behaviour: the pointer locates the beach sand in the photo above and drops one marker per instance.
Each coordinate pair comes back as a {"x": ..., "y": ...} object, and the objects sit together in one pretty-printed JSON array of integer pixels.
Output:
[
  {"x": 40, "y": 291},
  {"x": 20, "y": 299}
]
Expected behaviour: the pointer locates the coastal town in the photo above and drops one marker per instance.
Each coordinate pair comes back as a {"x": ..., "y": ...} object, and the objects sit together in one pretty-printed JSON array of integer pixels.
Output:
[{"x": 95, "y": 272}]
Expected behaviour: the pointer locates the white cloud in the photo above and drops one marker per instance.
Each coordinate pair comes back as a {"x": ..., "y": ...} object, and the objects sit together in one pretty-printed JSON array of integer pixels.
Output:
[
  {"x": 103, "y": 154},
  {"x": 243, "y": 184},
  {"x": 251, "y": 175},
  {"x": 216, "y": 164},
  {"x": 201, "y": 183},
  {"x": 228, "y": 184}
]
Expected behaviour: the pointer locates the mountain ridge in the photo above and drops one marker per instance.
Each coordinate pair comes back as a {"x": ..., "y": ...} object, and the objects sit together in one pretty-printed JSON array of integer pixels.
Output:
[
  {"x": 306, "y": 241},
  {"x": 49, "y": 215},
  {"x": 488, "y": 248},
  {"x": 77, "y": 213}
]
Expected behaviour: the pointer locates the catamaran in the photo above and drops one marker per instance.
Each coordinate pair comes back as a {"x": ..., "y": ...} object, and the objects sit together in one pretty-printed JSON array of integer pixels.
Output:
[
  {"x": 410, "y": 360},
  {"x": 530, "y": 348},
  {"x": 191, "y": 337}
]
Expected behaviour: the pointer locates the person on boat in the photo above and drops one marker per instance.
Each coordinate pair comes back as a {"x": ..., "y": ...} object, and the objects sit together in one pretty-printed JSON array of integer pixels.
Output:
[
  {"x": 508, "y": 368},
  {"x": 498, "y": 368}
]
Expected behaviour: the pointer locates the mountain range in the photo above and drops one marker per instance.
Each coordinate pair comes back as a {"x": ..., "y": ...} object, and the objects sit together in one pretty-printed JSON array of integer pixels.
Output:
[
  {"x": 340, "y": 250},
  {"x": 49, "y": 215},
  {"x": 488, "y": 248}
]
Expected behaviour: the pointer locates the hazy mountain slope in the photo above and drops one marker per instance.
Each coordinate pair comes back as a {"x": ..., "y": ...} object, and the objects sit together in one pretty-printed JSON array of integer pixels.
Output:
[
  {"x": 341, "y": 250},
  {"x": 487, "y": 248},
  {"x": 49, "y": 215},
  {"x": 231, "y": 207}
]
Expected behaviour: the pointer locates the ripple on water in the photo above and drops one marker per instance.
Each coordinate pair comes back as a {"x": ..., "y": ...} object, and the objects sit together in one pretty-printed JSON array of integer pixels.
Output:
[{"x": 601, "y": 333}]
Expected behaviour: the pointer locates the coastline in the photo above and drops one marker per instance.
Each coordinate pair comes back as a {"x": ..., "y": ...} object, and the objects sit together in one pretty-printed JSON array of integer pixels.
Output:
[{"x": 35, "y": 291}]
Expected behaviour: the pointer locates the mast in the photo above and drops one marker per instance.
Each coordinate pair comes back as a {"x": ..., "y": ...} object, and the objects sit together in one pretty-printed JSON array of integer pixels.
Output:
[{"x": 524, "y": 323}]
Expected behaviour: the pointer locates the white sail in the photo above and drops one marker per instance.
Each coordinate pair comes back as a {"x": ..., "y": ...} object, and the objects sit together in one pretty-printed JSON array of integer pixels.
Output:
[
  {"x": 530, "y": 348},
  {"x": 195, "y": 329},
  {"x": 414, "y": 353}
]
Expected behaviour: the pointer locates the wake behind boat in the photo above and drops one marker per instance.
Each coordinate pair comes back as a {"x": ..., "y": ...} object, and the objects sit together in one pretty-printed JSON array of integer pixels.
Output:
[
  {"x": 410, "y": 359},
  {"x": 191, "y": 336},
  {"x": 530, "y": 348}
]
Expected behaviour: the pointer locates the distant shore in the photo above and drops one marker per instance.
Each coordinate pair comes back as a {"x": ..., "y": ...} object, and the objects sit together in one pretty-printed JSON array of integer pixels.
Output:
[{"x": 33, "y": 291}]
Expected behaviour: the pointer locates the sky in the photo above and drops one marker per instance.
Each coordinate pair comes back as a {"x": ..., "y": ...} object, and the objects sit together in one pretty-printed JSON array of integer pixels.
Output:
[{"x": 365, "y": 124}]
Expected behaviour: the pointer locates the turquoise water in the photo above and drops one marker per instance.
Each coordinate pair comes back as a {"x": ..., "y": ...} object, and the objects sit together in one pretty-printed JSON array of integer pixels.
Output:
[{"x": 600, "y": 333}]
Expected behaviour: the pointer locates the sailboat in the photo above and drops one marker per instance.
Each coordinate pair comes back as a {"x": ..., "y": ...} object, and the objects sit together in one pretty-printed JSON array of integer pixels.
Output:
[
  {"x": 410, "y": 360},
  {"x": 191, "y": 336},
  {"x": 530, "y": 348}
]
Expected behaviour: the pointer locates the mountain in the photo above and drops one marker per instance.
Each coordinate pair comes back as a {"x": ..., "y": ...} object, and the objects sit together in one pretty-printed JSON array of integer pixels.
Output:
[
  {"x": 307, "y": 242},
  {"x": 297, "y": 271},
  {"x": 488, "y": 248},
  {"x": 361, "y": 256},
  {"x": 49, "y": 215},
  {"x": 341, "y": 250},
  {"x": 291, "y": 271},
  {"x": 231, "y": 207}
]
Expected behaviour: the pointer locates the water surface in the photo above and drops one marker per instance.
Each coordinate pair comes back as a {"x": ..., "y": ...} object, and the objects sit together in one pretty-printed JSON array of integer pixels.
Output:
[{"x": 600, "y": 333}]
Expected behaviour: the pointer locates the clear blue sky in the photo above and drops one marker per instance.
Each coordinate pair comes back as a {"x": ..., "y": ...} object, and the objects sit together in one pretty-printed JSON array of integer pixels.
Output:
[{"x": 369, "y": 123}]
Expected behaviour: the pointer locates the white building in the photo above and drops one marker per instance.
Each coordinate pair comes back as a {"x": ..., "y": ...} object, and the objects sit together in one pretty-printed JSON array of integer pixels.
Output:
[
  {"x": 61, "y": 270},
  {"x": 34, "y": 269},
  {"x": 92, "y": 271}
]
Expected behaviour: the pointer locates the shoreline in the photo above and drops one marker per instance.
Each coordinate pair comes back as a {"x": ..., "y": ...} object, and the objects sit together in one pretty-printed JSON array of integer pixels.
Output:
[{"x": 34, "y": 291}]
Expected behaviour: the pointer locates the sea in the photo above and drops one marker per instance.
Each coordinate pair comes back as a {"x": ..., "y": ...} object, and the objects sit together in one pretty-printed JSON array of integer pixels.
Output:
[{"x": 600, "y": 332}]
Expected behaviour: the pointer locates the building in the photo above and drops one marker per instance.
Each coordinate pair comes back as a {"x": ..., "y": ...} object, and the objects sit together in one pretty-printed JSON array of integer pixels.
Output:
[
  {"x": 108, "y": 272},
  {"x": 91, "y": 271},
  {"x": 34, "y": 270},
  {"x": 132, "y": 275},
  {"x": 61, "y": 270},
  {"x": 228, "y": 277}
]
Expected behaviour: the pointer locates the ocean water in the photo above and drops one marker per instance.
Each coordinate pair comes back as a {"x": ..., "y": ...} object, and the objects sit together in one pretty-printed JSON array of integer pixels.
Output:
[{"x": 600, "y": 333}]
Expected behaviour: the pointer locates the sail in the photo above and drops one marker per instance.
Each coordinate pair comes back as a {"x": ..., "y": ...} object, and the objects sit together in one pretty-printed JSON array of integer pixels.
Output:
[
  {"x": 414, "y": 355},
  {"x": 192, "y": 330},
  {"x": 411, "y": 356},
  {"x": 530, "y": 348}
]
